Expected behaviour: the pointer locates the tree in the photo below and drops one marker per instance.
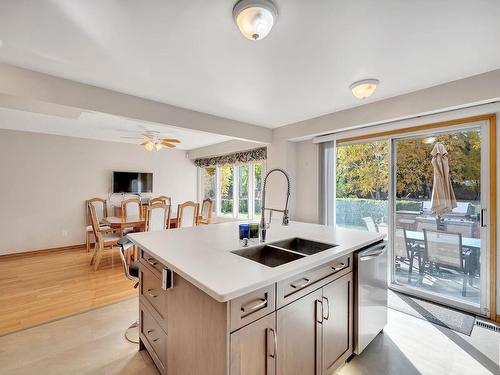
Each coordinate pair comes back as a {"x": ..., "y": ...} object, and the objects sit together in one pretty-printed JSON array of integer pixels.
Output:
[{"x": 363, "y": 171}]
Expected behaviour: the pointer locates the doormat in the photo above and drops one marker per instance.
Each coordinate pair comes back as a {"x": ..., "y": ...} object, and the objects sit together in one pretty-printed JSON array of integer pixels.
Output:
[{"x": 433, "y": 313}]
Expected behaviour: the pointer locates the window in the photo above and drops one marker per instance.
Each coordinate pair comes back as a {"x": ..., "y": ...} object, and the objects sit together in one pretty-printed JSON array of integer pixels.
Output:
[
  {"x": 235, "y": 190},
  {"x": 226, "y": 186},
  {"x": 257, "y": 185},
  {"x": 209, "y": 184},
  {"x": 243, "y": 179}
]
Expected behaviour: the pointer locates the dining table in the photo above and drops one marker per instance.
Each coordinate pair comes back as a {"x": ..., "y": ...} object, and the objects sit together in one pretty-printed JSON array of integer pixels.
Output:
[{"x": 472, "y": 244}]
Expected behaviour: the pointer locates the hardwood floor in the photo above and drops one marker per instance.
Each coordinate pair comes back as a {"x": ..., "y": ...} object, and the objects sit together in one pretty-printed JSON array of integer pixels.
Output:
[{"x": 37, "y": 288}]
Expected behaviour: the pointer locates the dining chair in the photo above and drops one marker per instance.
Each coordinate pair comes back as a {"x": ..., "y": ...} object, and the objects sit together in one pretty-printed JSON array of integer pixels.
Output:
[
  {"x": 158, "y": 217},
  {"x": 101, "y": 208},
  {"x": 370, "y": 224},
  {"x": 130, "y": 207},
  {"x": 187, "y": 214},
  {"x": 430, "y": 225},
  {"x": 161, "y": 199},
  {"x": 465, "y": 228},
  {"x": 444, "y": 249},
  {"x": 103, "y": 239},
  {"x": 131, "y": 271},
  {"x": 206, "y": 211},
  {"x": 408, "y": 249}
]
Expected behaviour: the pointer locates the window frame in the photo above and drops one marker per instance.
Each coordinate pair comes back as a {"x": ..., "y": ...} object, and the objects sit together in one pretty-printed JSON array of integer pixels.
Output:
[{"x": 236, "y": 188}]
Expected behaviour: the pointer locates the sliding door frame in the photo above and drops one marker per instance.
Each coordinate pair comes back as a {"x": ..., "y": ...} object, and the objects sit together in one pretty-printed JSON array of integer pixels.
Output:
[{"x": 390, "y": 135}]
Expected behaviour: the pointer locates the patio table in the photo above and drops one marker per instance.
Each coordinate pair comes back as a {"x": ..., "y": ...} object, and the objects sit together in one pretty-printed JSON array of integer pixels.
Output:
[{"x": 474, "y": 244}]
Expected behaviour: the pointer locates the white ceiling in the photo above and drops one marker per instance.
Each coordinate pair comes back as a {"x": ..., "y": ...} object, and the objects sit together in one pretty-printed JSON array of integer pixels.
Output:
[
  {"x": 189, "y": 53},
  {"x": 102, "y": 127}
]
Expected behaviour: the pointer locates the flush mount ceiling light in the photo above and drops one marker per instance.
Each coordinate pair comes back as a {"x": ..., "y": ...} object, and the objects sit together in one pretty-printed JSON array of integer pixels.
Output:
[
  {"x": 364, "y": 88},
  {"x": 255, "y": 18}
]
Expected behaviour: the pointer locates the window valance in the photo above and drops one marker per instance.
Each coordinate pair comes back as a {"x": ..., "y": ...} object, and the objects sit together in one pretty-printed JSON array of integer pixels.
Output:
[{"x": 242, "y": 157}]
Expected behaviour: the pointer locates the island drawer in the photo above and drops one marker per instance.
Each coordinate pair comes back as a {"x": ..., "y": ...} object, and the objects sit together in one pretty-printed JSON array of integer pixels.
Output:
[
  {"x": 150, "y": 261},
  {"x": 153, "y": 295},
  {"x": 298, "y": 286},
  {"x": 153, "y": 338},
  {"x": 252, "y": 306}
]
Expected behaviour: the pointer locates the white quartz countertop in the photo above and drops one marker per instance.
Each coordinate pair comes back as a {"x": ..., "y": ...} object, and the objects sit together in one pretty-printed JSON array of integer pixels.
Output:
[{"x": 202, "y": 255}]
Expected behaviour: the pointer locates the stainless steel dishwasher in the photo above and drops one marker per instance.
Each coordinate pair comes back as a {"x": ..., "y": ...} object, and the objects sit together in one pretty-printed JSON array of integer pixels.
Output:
[{"x": 370, "y": 311}]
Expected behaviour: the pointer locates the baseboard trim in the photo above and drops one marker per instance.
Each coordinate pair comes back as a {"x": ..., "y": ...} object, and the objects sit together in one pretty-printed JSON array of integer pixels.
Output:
[{"x": 42, "y": 251}]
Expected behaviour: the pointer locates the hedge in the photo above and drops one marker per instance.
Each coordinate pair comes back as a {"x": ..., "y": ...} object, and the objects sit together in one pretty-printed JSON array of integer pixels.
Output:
[{"x": 351, "y": 211}]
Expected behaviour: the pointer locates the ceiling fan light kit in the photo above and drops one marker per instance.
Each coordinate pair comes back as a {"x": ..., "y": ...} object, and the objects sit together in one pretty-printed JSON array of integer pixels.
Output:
[{"x": 255, "y": 18}]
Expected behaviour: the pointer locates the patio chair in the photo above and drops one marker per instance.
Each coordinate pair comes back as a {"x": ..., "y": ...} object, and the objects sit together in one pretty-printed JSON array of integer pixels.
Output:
[
  {"x": 407, "y": 249},
  {"x": 444, "y": 249},
  {"x": 370, "y": 224}
]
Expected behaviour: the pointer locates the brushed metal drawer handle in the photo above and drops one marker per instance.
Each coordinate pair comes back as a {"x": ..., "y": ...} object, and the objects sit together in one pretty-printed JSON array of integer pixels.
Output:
[
  {"x": 338, "y": 266},
  {"x": 150, "y": 332},
  {"x": 151, "y": 294},
  {"x": 275, "y": 343},
  {"x": 301, "y": 285},
  {"x": 249, "y": 307},
  {"x": 327, "y": 308},
  {"x": 152, "y": 261}
]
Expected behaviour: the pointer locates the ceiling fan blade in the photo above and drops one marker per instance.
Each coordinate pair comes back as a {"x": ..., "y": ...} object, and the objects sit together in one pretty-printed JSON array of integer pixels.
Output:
[
  {"x": 132, "y": 137},
  {"x": 166, "y": 144},
  {"x": 143, "y": 143},
  {"x": 171, "y": 140}
]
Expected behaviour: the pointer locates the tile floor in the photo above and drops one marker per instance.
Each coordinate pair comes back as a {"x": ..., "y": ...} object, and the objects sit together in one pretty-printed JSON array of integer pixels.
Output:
[{"x": 93, "y": 343}]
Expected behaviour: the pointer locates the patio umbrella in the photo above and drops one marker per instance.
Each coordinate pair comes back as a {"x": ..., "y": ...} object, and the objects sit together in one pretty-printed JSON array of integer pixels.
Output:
[{"x": 443, "y": 198}]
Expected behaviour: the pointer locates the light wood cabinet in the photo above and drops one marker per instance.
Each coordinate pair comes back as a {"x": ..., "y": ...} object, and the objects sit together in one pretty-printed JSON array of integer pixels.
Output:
[
  {"x": 253, "y": 348},
  {"x": 267, "y": 332},
  {"x": 337, "y": 324},
  {"x": 297, "y": 336}
]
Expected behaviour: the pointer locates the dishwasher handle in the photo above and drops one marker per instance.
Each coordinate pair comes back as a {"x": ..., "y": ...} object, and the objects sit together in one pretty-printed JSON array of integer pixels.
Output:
[{"x": 373, "y": 252}]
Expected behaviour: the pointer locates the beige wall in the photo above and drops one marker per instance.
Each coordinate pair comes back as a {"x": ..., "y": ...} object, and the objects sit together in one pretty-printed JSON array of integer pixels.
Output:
[
  {"x": 45, "y": 180},
  {"x": 307, "y": 186}
]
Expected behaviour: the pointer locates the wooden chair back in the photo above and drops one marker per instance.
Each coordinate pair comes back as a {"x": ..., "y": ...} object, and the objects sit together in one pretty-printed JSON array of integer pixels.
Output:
[
  {"x": 158, "y": 217},
  {"x": 444, "y": 248},
  {"x": 187, "y": 214},
  {"x": 206, "y": 211},
  {"x": 100, "y": 206},
  {"x": 94, "y": 221},
  {"x": 161, "y": 199},
  {"x": 131, "y": 207}
]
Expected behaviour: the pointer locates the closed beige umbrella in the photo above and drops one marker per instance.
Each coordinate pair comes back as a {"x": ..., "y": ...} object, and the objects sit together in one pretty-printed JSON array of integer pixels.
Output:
[{"x": 443, "y": 198}]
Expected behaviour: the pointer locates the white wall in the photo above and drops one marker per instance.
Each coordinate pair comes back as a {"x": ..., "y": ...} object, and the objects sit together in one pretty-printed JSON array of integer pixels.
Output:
[{"x": 45, "y": 180}]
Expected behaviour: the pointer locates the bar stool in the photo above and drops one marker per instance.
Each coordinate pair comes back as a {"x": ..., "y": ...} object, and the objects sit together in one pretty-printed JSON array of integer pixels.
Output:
[{"x": 132, "y": 273}]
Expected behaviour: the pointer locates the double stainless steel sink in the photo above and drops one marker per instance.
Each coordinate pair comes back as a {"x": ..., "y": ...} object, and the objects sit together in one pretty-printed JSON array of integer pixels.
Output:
[{"x": 281, "y": 252}]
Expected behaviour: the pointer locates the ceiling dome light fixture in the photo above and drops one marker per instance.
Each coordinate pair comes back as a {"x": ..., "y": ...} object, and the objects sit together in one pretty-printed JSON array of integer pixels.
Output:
[
  {"x": 364, "y": 88},
  {"x": 255, "y": 18}
]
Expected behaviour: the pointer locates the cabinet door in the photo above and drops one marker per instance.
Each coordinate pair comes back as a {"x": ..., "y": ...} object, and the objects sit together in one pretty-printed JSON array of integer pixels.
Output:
[
  {"x": 253, "y": 348},
  {"x": 337, "y": 323},
  {"x": 298, "y": 334}
]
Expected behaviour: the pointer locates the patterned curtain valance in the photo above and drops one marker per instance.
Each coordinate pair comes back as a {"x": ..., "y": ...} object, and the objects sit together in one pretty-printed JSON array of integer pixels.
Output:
[{"x": 243, "y": 157}]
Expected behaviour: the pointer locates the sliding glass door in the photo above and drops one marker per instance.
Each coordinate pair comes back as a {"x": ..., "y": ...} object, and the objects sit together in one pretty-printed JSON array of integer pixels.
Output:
[
  {"x": 439, "y": 235},
  {"x": 428, "y": 192}
]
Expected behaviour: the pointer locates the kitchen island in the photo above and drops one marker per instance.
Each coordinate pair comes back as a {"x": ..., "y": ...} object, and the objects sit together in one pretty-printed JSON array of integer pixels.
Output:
[{"x": 210, "y": 306}]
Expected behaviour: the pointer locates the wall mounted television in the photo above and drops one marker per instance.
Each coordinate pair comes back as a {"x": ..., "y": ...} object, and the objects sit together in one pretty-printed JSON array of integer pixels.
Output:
[{"x": 132, "y": 182}]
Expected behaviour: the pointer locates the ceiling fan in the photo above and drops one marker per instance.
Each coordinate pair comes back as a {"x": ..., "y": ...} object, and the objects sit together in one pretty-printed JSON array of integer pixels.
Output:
[{"x": 153, "y": 140}]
